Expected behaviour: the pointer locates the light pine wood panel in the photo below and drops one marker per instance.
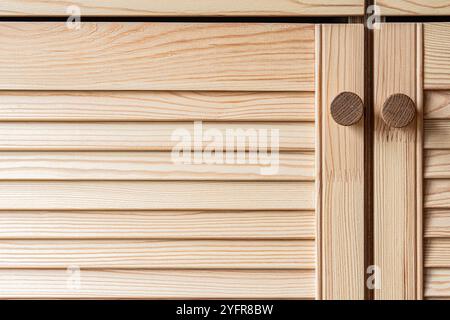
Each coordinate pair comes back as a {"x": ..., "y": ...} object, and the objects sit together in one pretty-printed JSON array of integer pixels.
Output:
[
  {"x": 145, "y": 166},
  {"x": 437, "y": 252},
  {"x": 414, "y": 7},
  {"x": 437, "y": 193},
  {"x": 437, "y": 223},
  {"x": 155, "y": 106},
  {"x": 158, "y": 284},
  {"x": 437, "y": 134},
  {"x": 157, "y": 56},
  {"x": 437, "y": 164},
  {"x": 184, "y": 8},
  {"x": 154, "y": 195},
  {"x": 437, "y": 282},
  {"x": 342, "y": 166},
  {"x": 437, "y": 105},
  {"x": 437, "y": 55},
  {"x": 178, "y": 254},
  {"x": 395, "y": 161},
  {"x": 157, "y": 136},
  {"x": 157, "y": 224}
]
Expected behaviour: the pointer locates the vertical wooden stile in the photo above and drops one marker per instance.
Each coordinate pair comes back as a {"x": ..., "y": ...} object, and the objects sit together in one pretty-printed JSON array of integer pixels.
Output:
[
  {"x": 396, "y": 165},
  {"x": 342, "y": 226}
]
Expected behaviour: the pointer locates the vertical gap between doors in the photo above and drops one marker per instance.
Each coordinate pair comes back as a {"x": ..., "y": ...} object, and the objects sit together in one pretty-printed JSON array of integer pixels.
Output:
[{"x": 368, "y": 151}]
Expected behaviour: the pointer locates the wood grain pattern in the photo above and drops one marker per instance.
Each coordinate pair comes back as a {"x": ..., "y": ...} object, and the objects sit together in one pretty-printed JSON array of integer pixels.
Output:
[
  {"x": 184, "y": 8},
  {"x": 159, "y": 284},
  {"x": 414, "y": 7},
  {"x": 437, "y": 164},
  {"x": 437, "y": 105},
  {"x": 157, "y": 224},
  {"x": 157, "y": 56},
  {"x": 395, "y": 181},
  {"x": 437, "y": 253},
  {"x": 342, "y": 166},
  {"x": 437, "y": 55},
  {"x": 159, "y": 136},
  {"x": 437, "y": 282},
  {"x": 398, "y": 110},
  {"x": 437, "y": 134},
  {"x": 171, "y": 254},
  {"x": 437, "y": 193},
  {"x": 143, "y": 166},
  {"x": 112, "y": 195},
  {"x": 155, "y": 106},
  {"x": 437, "y": 223}
]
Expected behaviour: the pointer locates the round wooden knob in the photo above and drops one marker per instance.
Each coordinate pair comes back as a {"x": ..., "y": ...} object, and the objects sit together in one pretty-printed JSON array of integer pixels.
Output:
[
  {"x": 399, "y": 110},
  {"x": 347, "y": 108}
]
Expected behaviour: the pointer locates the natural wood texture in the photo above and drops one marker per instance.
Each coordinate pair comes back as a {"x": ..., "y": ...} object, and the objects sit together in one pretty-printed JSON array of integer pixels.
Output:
[
  {"x": 437, "y": 134},
  {"x": 184, "y": 8},
  {"x": 159, "y": 136},
  {"x": 437, "y": 282},
  {"x": 437, "y": 164},
  {"x": 155, "y": 106},
  {"x": 414, "y": 7},
  {"x": 143, "y": 166},
  {"x": 318, "y": 158},
  {"x": 342, "y": 167},
  {"x": 112, "y": 195},
  {"x": 437, "y": 193},
  {"x": 437, "y": 105},
  {"x": 170, "y": 254},
  {"x": 437, "y": 253},
  {"x": 157, "y": 56},
  {"x": 437, "y": 55},
  {"x": 395, "y": 181},
  {"x": 158, "y": 284},
  {"x": 419, "y": 105},
  {"x": 437, "y": 223},
  {"x": 157, "y": 224},
  {"x": 347, "y": 108},
  {"x": 398, "y": 110}
]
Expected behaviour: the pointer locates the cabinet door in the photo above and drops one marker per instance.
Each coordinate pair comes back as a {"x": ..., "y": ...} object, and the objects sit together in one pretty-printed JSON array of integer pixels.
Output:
[{"x": 412, "y": 163}]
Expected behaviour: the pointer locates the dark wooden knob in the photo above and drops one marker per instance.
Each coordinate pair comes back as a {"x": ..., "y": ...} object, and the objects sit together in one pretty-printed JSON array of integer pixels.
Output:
[
  {"x": 399, "y": 110},
  {"x": 347, "y": 108}
]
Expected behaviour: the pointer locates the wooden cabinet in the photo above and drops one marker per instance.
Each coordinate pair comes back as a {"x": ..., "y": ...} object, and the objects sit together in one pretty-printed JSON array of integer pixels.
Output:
[{"x": 93, "y": 205}]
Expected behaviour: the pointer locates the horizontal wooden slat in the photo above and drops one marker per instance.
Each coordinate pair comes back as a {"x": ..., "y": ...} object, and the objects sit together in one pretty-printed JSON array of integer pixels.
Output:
[
  {"x": 112, "y": 195},
  {"x": 178, "y": 254},
  {"x": 437, "y": 252},
  {"x": 414, "y": 7},
  {"x": 184, "y": 8},
  {"x": 437, "y": 223},
  {"x": 437, "y": 105},
  {"x": 141, "y": 136},
  {"x": 157, "y": 284},
  {"x": 437, "y": 282},
  {"x": 157, "y": 224},
  {"x": 437, "y": 193},
  {"x": 437, "y": 134},
  {"x": 437, "y": 164},
  {"x": 437, "y": 55},
  {"x": 155, "y": 106},
  {"x": 157, "y": 56},
  {"x": 145, "y": 166}
]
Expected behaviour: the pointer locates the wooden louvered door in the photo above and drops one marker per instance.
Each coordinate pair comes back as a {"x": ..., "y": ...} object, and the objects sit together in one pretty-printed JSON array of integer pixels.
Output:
[
  {"x": 90, "y": 193},
  {"x": 411, "y": 164}
]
